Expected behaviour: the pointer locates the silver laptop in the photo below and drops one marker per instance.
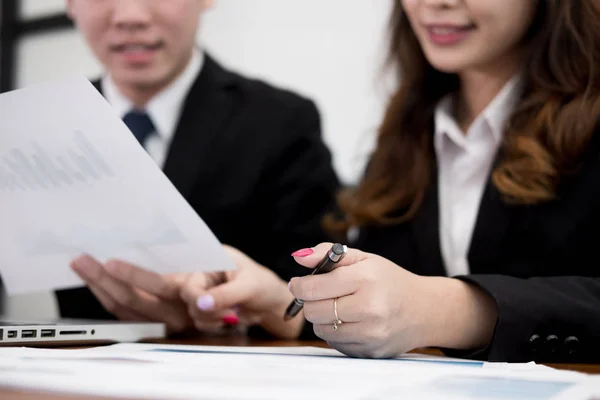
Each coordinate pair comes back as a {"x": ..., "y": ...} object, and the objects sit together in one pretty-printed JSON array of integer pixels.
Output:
[{"x": 65, "y": 332}]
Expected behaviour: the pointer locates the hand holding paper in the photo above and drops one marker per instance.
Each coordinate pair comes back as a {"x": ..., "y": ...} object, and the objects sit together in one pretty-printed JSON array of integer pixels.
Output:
[
  {"x": 74, "y": 180},
  {"x": 135, "y": 294},
  {"x": 257, "y": 293}
]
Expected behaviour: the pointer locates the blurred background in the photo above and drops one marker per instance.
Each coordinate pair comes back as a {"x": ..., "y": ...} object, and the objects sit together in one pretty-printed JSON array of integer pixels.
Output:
[{"x": 331, "y": 51}]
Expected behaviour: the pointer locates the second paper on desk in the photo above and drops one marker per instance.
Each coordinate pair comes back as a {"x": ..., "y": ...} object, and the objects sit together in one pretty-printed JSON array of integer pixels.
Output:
[
  {"x": 207, "y": 372},
  {"x": 74, "y": 180}
]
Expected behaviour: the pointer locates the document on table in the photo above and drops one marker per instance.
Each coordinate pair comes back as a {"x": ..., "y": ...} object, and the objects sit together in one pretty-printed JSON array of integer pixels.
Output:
[
  {"x": 73, "y": 180},
  {"x": 191, "y": 372}
]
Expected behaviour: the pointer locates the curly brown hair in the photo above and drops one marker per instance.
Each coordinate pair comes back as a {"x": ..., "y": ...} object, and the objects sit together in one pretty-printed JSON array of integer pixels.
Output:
[{"x": 544, "y": 139}]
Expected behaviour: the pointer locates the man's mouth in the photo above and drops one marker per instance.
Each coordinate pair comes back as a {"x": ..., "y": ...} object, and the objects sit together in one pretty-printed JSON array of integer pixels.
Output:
[
  {"x": 137, "y": 47},
  {"x": 138, "y": 53}
]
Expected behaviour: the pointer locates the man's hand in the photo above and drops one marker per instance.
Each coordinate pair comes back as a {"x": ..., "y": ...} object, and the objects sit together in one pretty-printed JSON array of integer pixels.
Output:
[{"x": 135, "y": 294}]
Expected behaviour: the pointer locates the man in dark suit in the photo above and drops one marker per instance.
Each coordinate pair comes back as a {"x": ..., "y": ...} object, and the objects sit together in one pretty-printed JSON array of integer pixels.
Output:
[{"x": 248, "y": 157}]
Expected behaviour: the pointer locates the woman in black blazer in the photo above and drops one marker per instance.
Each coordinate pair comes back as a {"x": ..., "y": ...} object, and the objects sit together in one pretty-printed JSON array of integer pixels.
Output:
[{"x": 487, "y": 171}]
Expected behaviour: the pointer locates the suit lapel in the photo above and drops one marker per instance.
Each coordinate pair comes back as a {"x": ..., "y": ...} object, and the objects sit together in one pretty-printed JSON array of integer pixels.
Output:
[
  {"x": 493, "y": 219},
  {"x": 205, "y": 110},
  {"x": 426, "y": 231}
]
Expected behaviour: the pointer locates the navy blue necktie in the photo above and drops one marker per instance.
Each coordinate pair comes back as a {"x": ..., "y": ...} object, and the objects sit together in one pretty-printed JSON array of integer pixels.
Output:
[{"x": 140, "y": 125}]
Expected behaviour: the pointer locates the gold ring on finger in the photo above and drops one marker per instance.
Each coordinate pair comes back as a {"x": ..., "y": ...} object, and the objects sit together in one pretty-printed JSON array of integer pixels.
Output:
[{"x": 337, "y": 321}]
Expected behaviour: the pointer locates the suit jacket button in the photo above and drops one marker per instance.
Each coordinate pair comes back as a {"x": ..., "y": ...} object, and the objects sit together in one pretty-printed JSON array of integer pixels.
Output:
[
  {"x": 535, "y": 342},
  {"x": 571, "y": 344},
  {"x": 551, "y": 344}
]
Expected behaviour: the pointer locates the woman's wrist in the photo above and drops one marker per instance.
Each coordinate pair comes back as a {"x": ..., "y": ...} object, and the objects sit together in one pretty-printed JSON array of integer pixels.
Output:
[{"x": 458, "y": 315}]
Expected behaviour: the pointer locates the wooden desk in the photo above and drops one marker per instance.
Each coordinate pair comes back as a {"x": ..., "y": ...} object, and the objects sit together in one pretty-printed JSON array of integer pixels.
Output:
[{"x": 9, "y": 394}]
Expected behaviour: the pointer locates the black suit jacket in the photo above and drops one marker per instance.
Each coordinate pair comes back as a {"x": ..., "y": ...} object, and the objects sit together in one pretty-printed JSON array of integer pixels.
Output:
[
  {"x": 539, "y": 263},
  {"x": 250, "y": 160}
]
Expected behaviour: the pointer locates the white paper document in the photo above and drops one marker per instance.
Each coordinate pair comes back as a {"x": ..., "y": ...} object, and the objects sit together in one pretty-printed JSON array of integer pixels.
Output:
[
  {"x": 73, "y": 180},
  {"x": 207, "y": 372}
]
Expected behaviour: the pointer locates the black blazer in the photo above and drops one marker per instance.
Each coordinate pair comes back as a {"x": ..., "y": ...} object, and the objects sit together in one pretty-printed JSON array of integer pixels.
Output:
[
  {"x": 250, "y": 160},
  {"x": 539, "y": 263}
]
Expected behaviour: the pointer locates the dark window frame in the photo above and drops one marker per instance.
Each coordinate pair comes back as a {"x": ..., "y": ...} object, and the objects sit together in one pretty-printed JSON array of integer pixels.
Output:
[{"x": 13, "y": 29}]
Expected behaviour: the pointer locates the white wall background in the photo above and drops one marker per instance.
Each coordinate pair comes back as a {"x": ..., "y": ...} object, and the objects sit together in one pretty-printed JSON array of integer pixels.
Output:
[{"x": 329, "y": 50}]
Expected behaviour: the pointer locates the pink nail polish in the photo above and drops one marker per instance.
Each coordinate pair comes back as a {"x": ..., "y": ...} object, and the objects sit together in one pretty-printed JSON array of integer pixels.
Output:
[
  {"x": 303, "y": 252},
  {"x": 231, "y": 320}
]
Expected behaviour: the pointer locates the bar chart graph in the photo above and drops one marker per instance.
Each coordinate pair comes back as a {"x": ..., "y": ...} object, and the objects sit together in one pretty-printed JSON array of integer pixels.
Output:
[
  {"x": 35, "y": 168},
  {"x": 92, "y": 238}
]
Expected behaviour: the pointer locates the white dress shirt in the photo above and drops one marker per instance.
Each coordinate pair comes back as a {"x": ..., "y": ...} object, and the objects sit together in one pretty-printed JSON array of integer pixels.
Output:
[
  {"x": 464, "y": 164},
  {"x": 164, "y": 109}
]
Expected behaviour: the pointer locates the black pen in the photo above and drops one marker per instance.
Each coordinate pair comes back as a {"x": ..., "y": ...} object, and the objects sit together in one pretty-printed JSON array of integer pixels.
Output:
[{"x": 333, "y": 256}]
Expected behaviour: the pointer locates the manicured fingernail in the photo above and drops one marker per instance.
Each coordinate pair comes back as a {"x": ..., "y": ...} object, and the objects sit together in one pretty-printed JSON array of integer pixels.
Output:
[
  {"x": 303, "y": 252},
  {"x": 231, "y": 320},
  {"x": 205, "y": 302}
]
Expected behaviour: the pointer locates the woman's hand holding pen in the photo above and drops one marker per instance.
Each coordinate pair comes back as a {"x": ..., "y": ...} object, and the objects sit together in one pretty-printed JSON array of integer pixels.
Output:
[
  {"x": 384, "y": 310},
  {"x": 376, "y": 322},
  {"x": 253, "y": 294}
]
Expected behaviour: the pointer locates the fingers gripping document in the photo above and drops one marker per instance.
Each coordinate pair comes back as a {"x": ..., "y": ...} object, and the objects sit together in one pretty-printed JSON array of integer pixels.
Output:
[{"x": 73, "y": 180}]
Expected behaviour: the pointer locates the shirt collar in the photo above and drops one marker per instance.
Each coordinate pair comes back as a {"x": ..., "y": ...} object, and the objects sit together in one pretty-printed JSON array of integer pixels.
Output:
[
  {"x": 499, "y": 110},
  {"x": 165, "y": 108},
  {"x": 495, "y": 114}
]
